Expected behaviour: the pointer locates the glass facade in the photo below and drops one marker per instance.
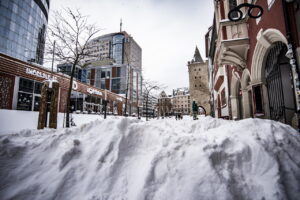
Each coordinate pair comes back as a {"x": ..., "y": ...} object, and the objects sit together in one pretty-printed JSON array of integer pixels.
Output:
[
  {"x": 23, "y": 26},
  {"x": 117, "y": 48}
]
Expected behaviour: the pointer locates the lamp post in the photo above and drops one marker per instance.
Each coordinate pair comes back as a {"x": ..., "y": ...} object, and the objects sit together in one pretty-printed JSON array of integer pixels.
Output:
[
  {"x": 147, "y": 98},
  {"x": 105, "y": 103}
]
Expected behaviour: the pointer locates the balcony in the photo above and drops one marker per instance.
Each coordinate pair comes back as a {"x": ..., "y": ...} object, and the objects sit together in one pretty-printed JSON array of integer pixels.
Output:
[{"x": 234, "y": 44}]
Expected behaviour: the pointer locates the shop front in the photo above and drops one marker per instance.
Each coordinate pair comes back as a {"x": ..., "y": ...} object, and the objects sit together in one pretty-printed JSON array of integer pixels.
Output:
[{"x": 21, "y": 84}]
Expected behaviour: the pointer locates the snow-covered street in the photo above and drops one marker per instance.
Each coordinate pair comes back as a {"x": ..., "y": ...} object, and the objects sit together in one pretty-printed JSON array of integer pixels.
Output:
[{"x": 125, "y": 158}]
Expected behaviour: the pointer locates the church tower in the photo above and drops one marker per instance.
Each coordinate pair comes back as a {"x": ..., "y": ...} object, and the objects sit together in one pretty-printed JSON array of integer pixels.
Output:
[{"x": 198, "y": 83}]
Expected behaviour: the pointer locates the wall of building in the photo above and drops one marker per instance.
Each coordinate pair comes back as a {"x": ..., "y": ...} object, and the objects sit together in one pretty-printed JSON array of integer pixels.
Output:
[{"x": 23, "y": 28}]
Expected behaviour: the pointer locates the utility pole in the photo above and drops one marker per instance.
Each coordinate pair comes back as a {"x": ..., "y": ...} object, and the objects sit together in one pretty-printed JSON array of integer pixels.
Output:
[{"x": 105, "y": 104}]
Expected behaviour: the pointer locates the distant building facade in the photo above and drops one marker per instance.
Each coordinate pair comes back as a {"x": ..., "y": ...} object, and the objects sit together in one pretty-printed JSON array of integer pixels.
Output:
[
  {"x": 23, "y": 27},
  {"x": 115, "y": 64},
  {"x": 164, "y": 105},
  {"x": 199, "y": 83},
  {"x": 149, "y": 107},
  {"x": 181, "y": 101}
]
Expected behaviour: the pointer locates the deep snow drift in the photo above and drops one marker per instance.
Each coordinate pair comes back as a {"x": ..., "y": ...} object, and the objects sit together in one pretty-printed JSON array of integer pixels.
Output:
[
  {"x": 12, "y": 121},
  {"x": 121, "y": 158}
]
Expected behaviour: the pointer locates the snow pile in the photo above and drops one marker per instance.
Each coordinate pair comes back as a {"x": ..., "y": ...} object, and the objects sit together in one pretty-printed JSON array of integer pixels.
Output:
[
  {"x": 12, "y": 121},
  {"x": 121, "y": 158}
]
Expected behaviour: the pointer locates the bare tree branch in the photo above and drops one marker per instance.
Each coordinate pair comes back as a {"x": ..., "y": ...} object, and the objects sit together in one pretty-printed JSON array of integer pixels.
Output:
[{"x": 71, "y": 33}]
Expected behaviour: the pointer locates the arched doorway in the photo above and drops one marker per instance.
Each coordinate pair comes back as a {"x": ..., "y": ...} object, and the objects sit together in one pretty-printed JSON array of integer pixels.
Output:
[
  {"x": 279, "y": 84},
  {"x": 201, "y": 110}
]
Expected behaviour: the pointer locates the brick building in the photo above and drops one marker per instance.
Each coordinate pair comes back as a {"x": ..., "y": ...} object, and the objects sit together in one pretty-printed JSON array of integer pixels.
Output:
[{"x": 255, "y": 61}]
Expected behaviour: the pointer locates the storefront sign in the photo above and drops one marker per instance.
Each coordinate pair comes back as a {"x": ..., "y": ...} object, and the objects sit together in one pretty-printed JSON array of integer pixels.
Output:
[
  {"x": 93, "y": 91},
  {"x": 39, "y": 74}
]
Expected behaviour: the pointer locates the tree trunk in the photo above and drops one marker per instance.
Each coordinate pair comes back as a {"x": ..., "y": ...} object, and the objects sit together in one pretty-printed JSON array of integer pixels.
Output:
[{"x": 69, "y": 95}]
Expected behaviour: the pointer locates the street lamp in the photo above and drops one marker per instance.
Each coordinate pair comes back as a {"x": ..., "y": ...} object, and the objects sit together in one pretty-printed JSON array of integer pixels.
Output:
[
  {"x": 147, "y": 97},
  {"x": 105, "y": 103}
]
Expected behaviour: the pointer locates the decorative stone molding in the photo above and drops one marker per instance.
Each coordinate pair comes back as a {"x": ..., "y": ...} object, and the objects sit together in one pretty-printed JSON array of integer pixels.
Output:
[
  {"x": 246, "y": 79},
  {"x": 264, "y": 40}
]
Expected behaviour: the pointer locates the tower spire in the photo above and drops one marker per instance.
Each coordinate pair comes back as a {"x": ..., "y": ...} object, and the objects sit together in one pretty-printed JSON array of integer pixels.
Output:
[{"x": 197, "y": 55}]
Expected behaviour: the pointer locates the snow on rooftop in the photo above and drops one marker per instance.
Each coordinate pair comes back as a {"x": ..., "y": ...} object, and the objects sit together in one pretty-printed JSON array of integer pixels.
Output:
[{"x": 125, "y": 158}]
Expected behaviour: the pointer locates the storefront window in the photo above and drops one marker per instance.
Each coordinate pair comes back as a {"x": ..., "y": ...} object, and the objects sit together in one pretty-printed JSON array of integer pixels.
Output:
[
  {"x": 29, "y": 94},
  {"x": 77, "y": 101},
  {"x": 26, "y": 85},
  {"x": 38, "y": 87},
  {"x": 24, "y": 101}
]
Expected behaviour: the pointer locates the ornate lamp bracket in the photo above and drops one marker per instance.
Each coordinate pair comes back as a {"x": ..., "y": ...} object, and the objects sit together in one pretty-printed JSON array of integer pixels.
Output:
[{"x": 240, "y": 13}]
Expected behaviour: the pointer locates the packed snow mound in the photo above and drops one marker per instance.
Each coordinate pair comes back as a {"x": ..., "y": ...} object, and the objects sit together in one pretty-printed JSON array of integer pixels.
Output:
[{"x": 122, "y": 158}]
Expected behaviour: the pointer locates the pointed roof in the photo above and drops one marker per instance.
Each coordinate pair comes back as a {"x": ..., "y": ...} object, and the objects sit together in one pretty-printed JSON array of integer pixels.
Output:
[{"x": 197, "y": 56}]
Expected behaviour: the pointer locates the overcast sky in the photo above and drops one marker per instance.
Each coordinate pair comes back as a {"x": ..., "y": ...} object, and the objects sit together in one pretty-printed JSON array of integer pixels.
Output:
[{"x": 167, "y": 31}]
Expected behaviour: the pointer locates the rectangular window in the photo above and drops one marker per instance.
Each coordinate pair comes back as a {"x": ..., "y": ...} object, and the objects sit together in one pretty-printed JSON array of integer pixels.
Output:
[
  {"x": 26, "y": 85},
  {"x": 223, "y": 98},
  {"x": 24, "y": 101},
  {"x": 103, "y": 74},
  {"x": 38, "y": 87}
]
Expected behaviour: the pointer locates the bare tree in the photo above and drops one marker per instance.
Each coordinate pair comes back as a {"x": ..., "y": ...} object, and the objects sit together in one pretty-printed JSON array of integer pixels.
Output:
[{"x": 71, "y": 33}]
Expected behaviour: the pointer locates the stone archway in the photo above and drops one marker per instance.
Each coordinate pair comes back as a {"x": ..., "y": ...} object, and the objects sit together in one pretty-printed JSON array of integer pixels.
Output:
[
  {"x": 265, "y": 39},
  {"x": 277, "y": 72},
  {"x": 201, "y": 110}
]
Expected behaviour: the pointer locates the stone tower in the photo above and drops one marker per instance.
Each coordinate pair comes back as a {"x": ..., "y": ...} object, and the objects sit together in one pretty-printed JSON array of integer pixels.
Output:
[{"x": 198, "y": 82}]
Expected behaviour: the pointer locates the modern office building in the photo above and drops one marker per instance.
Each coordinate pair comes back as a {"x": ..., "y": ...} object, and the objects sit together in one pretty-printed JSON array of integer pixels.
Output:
[
  {"x": 66, "y": 68},
  {"x": 115, "y": 64},
  {"x": 23, "y": 26}
]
